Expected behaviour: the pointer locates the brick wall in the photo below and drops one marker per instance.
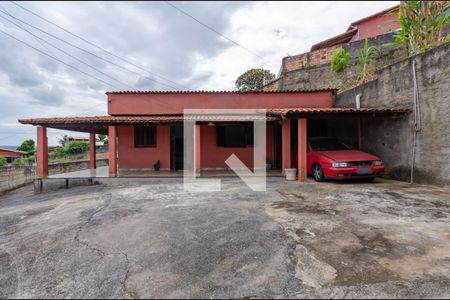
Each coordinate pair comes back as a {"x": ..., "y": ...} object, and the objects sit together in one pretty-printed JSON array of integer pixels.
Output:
[
  {"x": 272, "y": 86},
  {"x": 11, "y": 177},
  {"x": 312, "y": 70},
  {"x": 309, "y": 59}
]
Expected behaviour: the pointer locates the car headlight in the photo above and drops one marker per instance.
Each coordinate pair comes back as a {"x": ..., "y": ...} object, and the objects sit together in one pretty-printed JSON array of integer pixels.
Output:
[
  {"x": 340, "y": 165},
  {"x": 377, "y": 163}
]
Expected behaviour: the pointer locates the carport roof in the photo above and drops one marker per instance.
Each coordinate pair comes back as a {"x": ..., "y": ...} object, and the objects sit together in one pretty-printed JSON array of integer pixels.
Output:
[{"x": 341, "y": 111}]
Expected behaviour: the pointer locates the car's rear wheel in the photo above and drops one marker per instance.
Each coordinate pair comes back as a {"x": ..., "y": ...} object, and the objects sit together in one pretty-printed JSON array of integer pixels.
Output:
[{"x": 317, "y": 172}]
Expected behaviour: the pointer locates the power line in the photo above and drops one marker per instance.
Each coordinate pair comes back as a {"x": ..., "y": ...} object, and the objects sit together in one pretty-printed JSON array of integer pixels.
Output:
[
  {"x": 4, "y": 10},
  {"x": 212, "y": 29},
  {"x": 96, "y": 46},
  {"x": 93, "y": 54},
  {"x": 68, "y": 54},
  {"x": 57, "y": 59}
]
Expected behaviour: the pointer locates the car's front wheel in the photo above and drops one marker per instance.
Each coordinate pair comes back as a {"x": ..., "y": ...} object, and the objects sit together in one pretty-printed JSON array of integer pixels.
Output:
[{"x": 317, "y": 172}]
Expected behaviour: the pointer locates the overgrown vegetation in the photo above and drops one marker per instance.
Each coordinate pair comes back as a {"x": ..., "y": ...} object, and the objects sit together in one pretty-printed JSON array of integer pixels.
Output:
[
  {"x": 27, "y": 146},
  {"x": 18, "y": 163},
  {"x": 340, "y": 60},
  {"x": 2, "y": 161},
  {"x": 253, "y": 80},
  {"x": 74, "y": 147},
  {"x": 365, "y": 56},
  {"x": 421, "y": 25}
]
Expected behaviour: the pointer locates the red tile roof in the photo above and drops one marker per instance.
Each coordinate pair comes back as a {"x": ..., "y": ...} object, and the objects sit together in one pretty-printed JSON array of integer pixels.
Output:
[
  {"x": 334, "y": 110},
  {"x": 105, "y": 120},
  {"x": 272, "y": 115},
  {"x": 220, "y": 92}
]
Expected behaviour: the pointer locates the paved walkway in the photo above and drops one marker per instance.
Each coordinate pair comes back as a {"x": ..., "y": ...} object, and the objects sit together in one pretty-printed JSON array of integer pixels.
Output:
[{"x": 151, "y": 239}]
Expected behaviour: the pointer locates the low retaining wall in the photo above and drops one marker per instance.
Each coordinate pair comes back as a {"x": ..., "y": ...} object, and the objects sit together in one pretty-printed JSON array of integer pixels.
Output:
[{"x": 12, "y": 178}]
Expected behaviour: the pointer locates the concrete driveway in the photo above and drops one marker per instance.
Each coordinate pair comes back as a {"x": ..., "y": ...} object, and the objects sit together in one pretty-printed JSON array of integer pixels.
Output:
[{"x": 149, "y": 238}]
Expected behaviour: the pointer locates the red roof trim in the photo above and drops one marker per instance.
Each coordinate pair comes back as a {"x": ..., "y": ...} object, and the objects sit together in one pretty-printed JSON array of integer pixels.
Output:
[
  {"x": 220, "y": 92},
  {"x": 335, "y": 40}
]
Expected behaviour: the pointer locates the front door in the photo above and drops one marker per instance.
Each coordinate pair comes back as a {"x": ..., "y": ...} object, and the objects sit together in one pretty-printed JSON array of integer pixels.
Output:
[{"x": 176, "y": 148}]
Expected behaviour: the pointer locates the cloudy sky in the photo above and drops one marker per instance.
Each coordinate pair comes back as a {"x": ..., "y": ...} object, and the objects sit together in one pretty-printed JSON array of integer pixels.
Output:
[{"x": 149, "y": 45}]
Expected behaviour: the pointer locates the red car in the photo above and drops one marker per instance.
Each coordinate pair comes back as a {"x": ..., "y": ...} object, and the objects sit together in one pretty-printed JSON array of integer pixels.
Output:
[{"x": 329, "y": 158}]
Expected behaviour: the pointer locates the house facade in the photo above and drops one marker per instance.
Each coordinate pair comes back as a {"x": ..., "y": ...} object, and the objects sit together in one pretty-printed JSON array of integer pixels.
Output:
[{"x": 145, "y": 129}]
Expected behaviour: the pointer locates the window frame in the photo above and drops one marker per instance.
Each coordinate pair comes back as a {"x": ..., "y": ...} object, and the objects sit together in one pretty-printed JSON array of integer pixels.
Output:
[
  {"x": 247, "y": 132},
  {"x": 145, "y": 130}
]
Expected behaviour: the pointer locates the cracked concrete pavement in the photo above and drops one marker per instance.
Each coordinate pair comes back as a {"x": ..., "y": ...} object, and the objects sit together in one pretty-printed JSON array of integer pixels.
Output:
[{"x": 148, "y": 238}]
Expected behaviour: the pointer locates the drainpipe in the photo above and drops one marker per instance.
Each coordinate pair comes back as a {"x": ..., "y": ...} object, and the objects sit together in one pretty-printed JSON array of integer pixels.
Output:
[
  {"x": 358, "y": 106},
  {"x": 417, "y": 119},
  {"x": 358, "y": 101}
]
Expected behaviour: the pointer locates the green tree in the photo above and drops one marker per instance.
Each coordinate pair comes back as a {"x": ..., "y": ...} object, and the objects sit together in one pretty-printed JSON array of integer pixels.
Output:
[
  {"x": 340, "y": 60},
  {"x": 27, "y": 146},
  {"x": 2, "y": 161},
  {"x": 253, "y": 79},
  {"x": 421, "y": 24}
]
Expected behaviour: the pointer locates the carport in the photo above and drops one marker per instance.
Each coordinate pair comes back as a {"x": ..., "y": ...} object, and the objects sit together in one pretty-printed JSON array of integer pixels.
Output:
[{"x": 345, "y": 123}]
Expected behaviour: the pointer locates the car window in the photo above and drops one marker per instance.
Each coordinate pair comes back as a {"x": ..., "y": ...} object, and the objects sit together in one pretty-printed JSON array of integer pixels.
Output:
[{"x": 327, "y": 144}]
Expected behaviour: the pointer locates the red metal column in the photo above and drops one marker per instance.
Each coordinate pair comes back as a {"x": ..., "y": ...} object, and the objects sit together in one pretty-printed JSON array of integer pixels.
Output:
[
  {"x": 92, "y": 162},
  {"x": 359, "y": 134},
  {"x": 197, "y": 165},
  {"x": 112, "y": 149},
  {"x": 42, "y": 152},
  {"x": 286, "y": 144},
  {"x": 302, "y": 149}
]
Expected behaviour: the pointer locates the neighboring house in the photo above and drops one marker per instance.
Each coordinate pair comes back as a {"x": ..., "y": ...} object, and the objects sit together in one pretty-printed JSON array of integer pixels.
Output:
[
  {"x": 311, "y": 70},
  {"x": 377, "y": 24},
  {"x": 11, "y": 155},
  {"x": 146, "y": 127}
]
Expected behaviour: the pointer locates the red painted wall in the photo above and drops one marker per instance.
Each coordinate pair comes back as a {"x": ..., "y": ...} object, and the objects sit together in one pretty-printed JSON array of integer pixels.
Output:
[
  {"x": 211, "y": 155},
  {"x": 214, "y": 157},
  {"x": 131, "y": 157},
  {"x": 173, "y": 103},
  {"x": 377, "y": 26}
]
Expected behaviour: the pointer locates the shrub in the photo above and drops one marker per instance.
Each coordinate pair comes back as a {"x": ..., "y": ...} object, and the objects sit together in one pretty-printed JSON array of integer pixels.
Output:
[
  {"x": 77, "y": 147},
  {"x": 2, "y": 161},
  {"x": 59, "y": 152},
  {"x": 365, "y": 56},
  {"x": 18, "y": 163},
  {"x": 340, "y": 60}
]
